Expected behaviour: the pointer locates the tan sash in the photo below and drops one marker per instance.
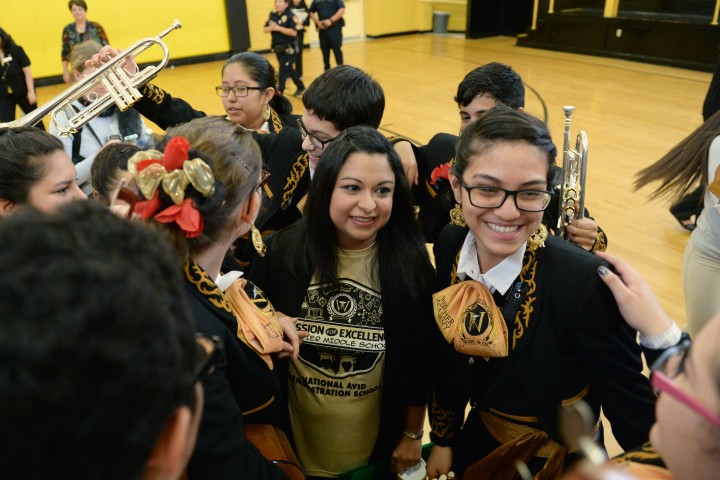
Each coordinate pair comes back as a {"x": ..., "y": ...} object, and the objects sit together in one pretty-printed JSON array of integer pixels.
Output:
[
  {"x": 519, "y": 442},
  {"x": 469, "y": 319},
  {"x": 258, "y": 324}
]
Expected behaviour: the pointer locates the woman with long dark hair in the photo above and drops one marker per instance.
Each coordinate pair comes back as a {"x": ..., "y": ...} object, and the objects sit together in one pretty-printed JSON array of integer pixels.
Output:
[
  {"x": 356, "y": 273},
  {"x": 695, "y": 160}
]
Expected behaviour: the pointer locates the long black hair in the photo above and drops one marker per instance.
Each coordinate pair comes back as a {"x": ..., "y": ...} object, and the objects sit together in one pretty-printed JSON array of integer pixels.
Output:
[
  {"x": 680, "y": 170},
  {"x": 7, "y": 41},
  {"x": 402, "y": 259}
]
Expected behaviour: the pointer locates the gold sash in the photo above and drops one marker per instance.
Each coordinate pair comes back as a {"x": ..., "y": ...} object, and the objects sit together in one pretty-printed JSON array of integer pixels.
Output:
[
  {"x": 258, "y": 324},
  {"x": 469, "y": 319},
  {"x": 519, "y": 442}
]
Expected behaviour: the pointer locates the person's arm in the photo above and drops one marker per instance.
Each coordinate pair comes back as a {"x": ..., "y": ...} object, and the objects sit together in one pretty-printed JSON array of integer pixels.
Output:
[
  {"x": 336, "y": 17},
  {"x": 408, "y": 451},
  {"x": 274, "y": 27},
  {"x": 30, "y": 85},
  {"x": 607, "y": 350}
]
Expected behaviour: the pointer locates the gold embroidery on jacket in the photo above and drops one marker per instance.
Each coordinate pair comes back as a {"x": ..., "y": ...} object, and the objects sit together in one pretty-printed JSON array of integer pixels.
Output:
[
  {"x": 527, "y": 276},
  {"x": 153, "y": 93},
  {"x": 201, "y": 280},
  {"x": 296, "y": 173},
  {"x": 275, "y": 120}
]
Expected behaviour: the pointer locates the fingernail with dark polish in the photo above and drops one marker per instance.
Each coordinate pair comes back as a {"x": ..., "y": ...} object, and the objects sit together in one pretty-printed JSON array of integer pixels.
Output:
[{"x": 602, "y": 270}]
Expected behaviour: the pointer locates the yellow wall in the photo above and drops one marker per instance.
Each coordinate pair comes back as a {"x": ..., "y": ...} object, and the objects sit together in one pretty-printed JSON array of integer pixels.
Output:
[{"x": 37, "y": 25}]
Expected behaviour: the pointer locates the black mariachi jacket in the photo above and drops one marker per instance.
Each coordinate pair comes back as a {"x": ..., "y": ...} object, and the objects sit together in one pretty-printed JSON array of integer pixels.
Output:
[
  {"x": 568, "y": 340},
  {"x": 241, "y": 389}
]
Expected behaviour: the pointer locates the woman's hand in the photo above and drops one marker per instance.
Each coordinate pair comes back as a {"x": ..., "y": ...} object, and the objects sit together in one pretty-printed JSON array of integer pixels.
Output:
[
  {"x": 292, "y": 339},
  {"x": 407, "y": 454},
  {"x": 440, "y": 461},
  {"x": 32, "y": 99},
  {"x": 637, "y": 303},
  {"x": 583, "y": 231}
]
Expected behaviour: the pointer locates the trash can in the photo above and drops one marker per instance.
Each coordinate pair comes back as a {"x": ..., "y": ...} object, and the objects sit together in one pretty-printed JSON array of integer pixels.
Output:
[{"x": 440, "y": 22}]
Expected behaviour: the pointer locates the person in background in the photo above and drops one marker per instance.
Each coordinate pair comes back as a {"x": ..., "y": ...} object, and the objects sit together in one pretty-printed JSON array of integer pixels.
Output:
[
  {"x": 79, "y": 31},
  {"x": 328, "y": 18},
  {"x": 100, "y": 361},
  {"x": 696, "y": 159},
  {"x": 281, "y": 25},
  {"x": 300, "y": 10},
  {"x": 35, "y": 171},
  {"x": 17, "y": 88},
  {"x": 112, "y": 125}
]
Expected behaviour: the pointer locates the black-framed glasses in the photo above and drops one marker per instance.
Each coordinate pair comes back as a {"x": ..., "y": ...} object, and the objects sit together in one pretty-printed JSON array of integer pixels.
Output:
[
  {"x": 207, "y": 357},
  {"x": 668, "y": 366},
  {"x": 493, "y": 197},
  {"x": 317, "y": 143},
  {"x": 238, "y": 90}
]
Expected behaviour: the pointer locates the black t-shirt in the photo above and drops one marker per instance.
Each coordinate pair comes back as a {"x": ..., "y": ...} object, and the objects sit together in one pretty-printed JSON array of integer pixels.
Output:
[
  {"x": 326, "y": 8},
  {"x": 12, "y": 78}
]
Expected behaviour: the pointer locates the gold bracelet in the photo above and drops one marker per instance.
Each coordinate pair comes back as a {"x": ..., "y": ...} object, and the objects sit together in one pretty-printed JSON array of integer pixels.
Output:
[{"x": 413, "y": 436}]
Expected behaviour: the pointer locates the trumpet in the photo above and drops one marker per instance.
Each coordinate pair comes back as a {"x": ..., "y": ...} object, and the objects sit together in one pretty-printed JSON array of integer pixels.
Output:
[
  {"x": 574, "y": 170},
  {"x": 120, "y": 85}
]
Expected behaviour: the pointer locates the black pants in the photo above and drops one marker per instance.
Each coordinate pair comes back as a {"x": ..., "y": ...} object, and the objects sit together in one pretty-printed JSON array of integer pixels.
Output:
[
  {"x": 286, "y": 62},
  {"x": 7, "y": 108},
  {"x": 331, "y": 39},
  {"x": 691, "y": 204},
  {"x": 298, "y": 58}
]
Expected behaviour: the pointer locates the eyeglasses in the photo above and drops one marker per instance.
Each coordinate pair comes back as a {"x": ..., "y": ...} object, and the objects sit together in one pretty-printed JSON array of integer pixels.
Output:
[
  {"x": 207, "y": 357},
  {"x": 668, "y": 366},
  {"x": 317, "y": 143},
  {"x": 264, "y": 177},
  {"x": 127, "y": 195},
  {"x": 494, "y": 197},
  {"x": 238, "y": 91}
]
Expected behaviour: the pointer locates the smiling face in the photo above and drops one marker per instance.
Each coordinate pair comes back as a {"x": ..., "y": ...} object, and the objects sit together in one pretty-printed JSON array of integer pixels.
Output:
[
  {"x": 322, "y": 130},
  {"x": 500, "y": 232},
  {"x": 678, "y": 427},
  {"x": 246, "y": 111},
  {"x": 57, "y": 186},
  {"x": 78, "y": 13},
  {"x": 362, "y": 199}
]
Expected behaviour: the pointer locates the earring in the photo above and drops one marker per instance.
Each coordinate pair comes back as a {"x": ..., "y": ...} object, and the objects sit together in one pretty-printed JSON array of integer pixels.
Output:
[
  {"x": 537, "y": 239},
  {"x": 266, "y": 112},
  {"x": 257, "y": 240},
  {"x": 457, "y": 217}
]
